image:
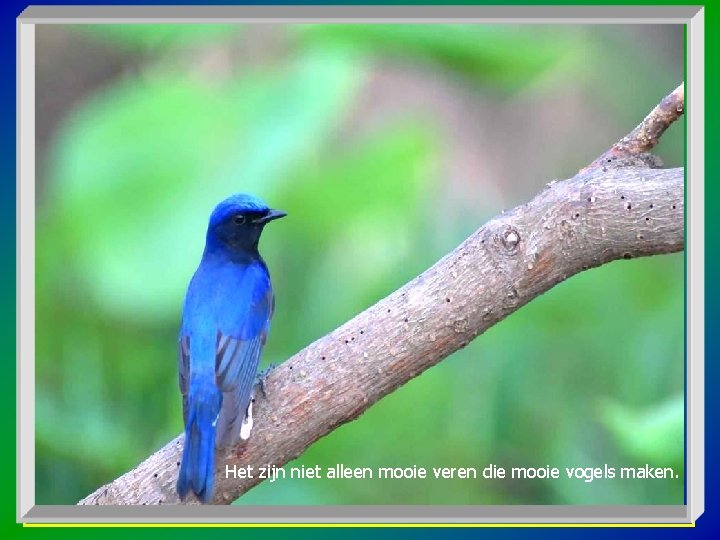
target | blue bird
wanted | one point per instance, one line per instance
(225, 322)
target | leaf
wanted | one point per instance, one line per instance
(654, 434)
(490, 54)
(140, 166)
(156, 36)
(368, 200)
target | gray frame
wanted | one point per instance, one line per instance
(692, 16)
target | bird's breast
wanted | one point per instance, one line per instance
(220, 296)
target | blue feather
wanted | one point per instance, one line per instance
(197, 470)
(226, 318)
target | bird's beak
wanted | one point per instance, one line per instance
(271, 215)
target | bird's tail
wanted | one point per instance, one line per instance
(197, 470)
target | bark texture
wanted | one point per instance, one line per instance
(610, 210)
(634, 147)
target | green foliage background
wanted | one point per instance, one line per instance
(588, 374)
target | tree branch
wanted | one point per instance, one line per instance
(608, 211)
(634, 147)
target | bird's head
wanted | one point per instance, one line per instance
(236, 223)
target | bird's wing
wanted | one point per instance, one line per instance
(184, 371)
(236, 365)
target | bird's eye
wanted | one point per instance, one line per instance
(239, 219)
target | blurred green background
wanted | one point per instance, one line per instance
(387, 145)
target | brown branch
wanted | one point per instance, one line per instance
(599, 215)
(632, 149)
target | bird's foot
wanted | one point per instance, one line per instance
(262, 379)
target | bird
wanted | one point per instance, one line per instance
(225, 322)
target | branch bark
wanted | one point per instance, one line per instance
(608, 211)
(634, 147)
